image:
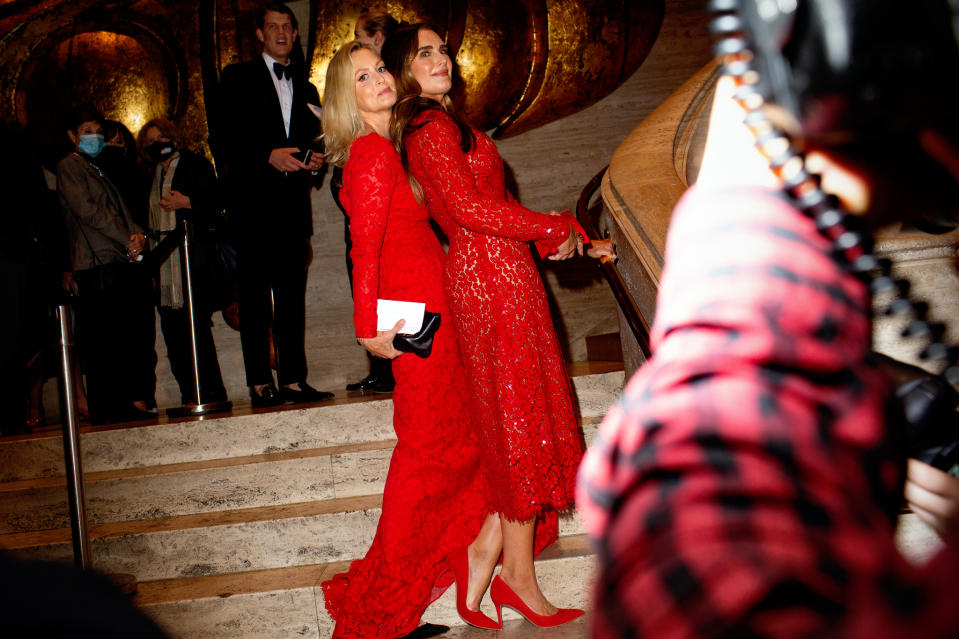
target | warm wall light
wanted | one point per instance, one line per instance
(115, 72)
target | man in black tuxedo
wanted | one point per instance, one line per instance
(268, 126)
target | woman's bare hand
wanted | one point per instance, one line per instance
(602, 250)
(933, 496)
(382, 344)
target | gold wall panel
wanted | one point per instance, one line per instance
(522, 63)
(334, 22)
(136, 88)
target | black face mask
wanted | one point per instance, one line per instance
(159, 151)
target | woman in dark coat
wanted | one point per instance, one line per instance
(183, 183)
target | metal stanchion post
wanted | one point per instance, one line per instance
(199, 408)
(71, 442)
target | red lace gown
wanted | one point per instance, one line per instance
(434, 501)
(532, 444)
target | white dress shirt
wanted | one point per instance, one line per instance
(284, 91)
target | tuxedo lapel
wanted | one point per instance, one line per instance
(271, 102)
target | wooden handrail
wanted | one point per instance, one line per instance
(587, 216)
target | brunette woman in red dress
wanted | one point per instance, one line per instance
(531, 441)
(434, 502)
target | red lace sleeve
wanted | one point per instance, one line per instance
(548, 247)
(435, 155)
(368, 180)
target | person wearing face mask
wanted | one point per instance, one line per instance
(114, 311)
(184, 183)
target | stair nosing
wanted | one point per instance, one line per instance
(132, 527)
(574, 370)
(55, 481)
(160, 591)
(198, 465)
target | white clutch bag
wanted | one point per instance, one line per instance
(389, 312)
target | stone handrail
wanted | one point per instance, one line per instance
(660, 158)
(647, 175)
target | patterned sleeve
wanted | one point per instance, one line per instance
(368, 182)
(748, 482)
(434, 151)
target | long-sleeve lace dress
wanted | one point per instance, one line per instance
(532, 444)
(434, 501)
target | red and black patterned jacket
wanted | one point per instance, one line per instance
(748, 482)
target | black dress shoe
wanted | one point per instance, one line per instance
(130, 414)
(426, 630)
(372, 383)
(306, 393)
(267, 397)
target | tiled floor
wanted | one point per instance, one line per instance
(521, 629)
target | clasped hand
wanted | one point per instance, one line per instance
(283, 160)
(135, 246)
(382, 344)
(175, 200)
(573, 245)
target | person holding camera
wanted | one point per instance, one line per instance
(748, 483)
(267, 130)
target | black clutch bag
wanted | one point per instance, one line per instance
(420, 343)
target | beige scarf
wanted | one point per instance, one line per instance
(163, 223)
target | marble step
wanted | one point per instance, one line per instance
(343, 421)
(230, 541)
(288, 602)
(207, 486)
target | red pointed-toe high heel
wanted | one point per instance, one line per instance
(503, 595)
(459, 564)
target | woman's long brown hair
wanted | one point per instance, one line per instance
(398, 52)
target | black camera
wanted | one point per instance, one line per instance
(855, 69)
(932, 423)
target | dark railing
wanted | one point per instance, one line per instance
(588, 216)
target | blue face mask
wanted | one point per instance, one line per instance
(91, 144)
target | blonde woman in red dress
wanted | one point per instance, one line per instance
(434, 502)
(531, 440)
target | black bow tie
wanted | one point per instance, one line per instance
(280, 70)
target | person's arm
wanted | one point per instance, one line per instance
(195, 187)
(92, 207)
(245, 137)
(434, 152)
(559, 249)
(311, 141)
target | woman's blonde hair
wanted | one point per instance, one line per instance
(342, 122)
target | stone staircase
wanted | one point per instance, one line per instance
(229, 523)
